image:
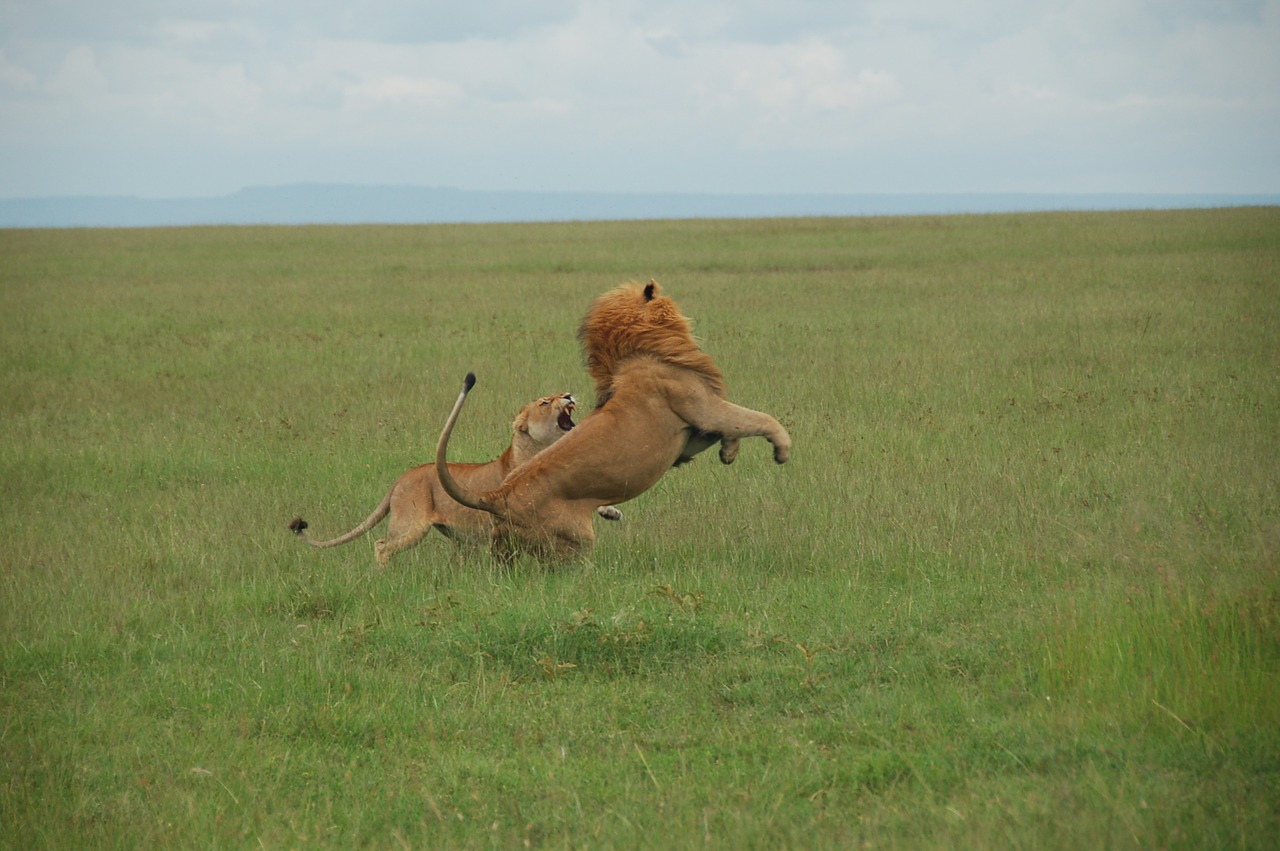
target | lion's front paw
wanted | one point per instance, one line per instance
(782, 451)
(608, 512)
(729, 451)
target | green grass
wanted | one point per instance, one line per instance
(1018, 586)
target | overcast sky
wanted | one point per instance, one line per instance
(171, 98)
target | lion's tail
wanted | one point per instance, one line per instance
(480, 502)
(298, 526)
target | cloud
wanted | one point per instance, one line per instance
(404, 90)
(576, 92)
(16, 78)
(79, 78)
(794, 81)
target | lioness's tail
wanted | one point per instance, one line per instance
(451, 487)
(297, 525)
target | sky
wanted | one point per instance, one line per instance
(195, 98)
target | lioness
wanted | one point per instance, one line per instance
(417, 503)
(661, 400)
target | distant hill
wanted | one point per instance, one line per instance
(344, 204)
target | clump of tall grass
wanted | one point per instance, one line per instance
(1175, 653)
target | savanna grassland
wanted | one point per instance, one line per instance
(1017, 588)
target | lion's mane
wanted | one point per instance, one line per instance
(635, 320)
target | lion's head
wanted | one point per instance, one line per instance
(546, 420)
(636, 320)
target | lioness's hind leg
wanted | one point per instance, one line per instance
(400, 536)
(385, 548)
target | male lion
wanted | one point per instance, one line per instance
(661, 400)
(417, 503)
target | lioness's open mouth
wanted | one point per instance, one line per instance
(565, 420)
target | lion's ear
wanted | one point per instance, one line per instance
(650, 290)
(521, 423)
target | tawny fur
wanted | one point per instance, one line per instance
(417, 503)
(661, 401)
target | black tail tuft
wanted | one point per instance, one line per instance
(296, 525)
(469, 382)
(649, 290)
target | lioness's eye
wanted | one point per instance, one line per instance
(545, 402)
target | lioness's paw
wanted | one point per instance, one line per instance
(608, 512)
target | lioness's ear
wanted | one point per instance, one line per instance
(649, 290)
(521, 423)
